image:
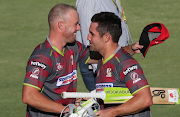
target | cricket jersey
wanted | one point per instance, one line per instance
(52, 72)
(121, 70)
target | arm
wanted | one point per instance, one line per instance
(34, 98)
(141, 100)
(94, 57)
(92, 61)
(33, 84)
(134, 48)
(129, 49)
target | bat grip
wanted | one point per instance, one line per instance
(101, 95)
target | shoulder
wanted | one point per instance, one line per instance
(125, 60)
(42, 53)
(122, 55)
(43, 49)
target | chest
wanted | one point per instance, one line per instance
(64, 69)
(108, 76)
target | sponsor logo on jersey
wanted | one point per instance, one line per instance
(35, 73)
(108, 72)
(135, 77)
(58, 67)
(38, 64)
(67, 79)
(129, 69)
(103, 85)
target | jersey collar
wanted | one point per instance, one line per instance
(57, 50)
(104, 61)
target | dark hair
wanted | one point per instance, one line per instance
(108, 22)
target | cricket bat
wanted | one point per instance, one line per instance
(121, 95)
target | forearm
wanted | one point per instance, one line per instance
(132, 106)
(134, 48)
(141, 100)
(92, 61)
(37, 100)
(129, 49)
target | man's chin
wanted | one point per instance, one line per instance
(91, 48)
(72, 41)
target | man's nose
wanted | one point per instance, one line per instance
(78, 27)
(89, 37)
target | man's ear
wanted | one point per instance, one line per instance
(60, 25)
(107, 37)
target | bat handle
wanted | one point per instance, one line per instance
(101, 95)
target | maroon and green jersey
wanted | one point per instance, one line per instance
(121, 70)
(52, 72)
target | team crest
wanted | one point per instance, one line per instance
(108, 72)
(58, 66)
(135, 77)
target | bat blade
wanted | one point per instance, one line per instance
(116, 95)
(159, 95)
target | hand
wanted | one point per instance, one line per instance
(136, 48)
(78, 101)
(104, 113)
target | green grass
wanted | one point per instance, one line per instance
(23, 25)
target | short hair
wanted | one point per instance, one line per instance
(59, 11)
(108, 22)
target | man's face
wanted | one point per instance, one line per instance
(96, 42)
(71, 26)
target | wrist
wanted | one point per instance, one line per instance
(114, 112)
(132, 50)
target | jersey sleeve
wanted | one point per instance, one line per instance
(37, 70)
(132, 74)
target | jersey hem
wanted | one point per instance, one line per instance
(140, 89)
(31, 86)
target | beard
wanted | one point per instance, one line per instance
(70, 35)
(92, 48)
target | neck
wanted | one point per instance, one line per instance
(57, 41)
(108, 50)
